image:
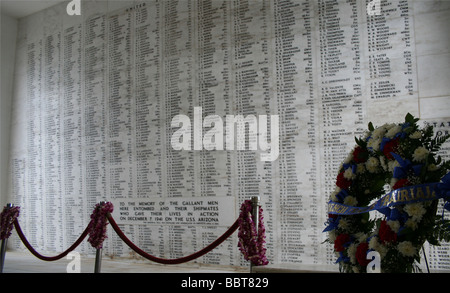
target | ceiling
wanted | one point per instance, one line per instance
(22, 8)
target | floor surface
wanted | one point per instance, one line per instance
(25, 262)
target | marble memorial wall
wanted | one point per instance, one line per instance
(95, 95)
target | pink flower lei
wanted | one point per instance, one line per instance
(7, 218)
(251, 243)
(97, 226)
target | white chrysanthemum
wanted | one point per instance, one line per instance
(373, 243)
(372, 164)
(350, 201)
(332, 235)
(410, 223)
(415, 135)
(432, 167)
(348, 174)
(420, 154)
(377, 246)
(379, 132)
(333, 196)
(349, 158)
(406, 248)
(394, 225)
(360, 237)
(360, 169)
(393, 164)
(393, 131)
(343, 224)
(351, 251)
(383, 163)
(374, 144)
(415, 211)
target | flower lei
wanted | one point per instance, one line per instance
(252, 243)
(97, 226)
(388, 158)
(7, 218)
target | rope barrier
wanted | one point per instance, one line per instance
(177, 260)
(96, 229)
(48, 258)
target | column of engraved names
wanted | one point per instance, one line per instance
(341, 85)
(94, 109)
(340, 82)
(213, 80)
(119, 109)
(51, 136)
(178, 95)
(34, 141)
(250, 57)
(295, 95)
(178, 63)
(71, 129)
(148, 135)
(213, 172)
(147, 83)
(390, 53)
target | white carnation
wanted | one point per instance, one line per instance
(420, 154)
(374, 144)
(352, 252)
(415, 135)
(406, 248)
(432, 167)
(415, 211)
(360, 169)
(348, 174)
(393, 131)
(379, 132)
(394, 225)
(333, 196)
(372, 164)
(350, 201)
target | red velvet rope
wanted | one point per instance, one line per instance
(48, 258)
(124, 238)
(177, 260)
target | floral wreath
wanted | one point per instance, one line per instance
(251, 241)
(97, 226)
(398, 161)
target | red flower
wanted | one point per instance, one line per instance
(386, 234)
(333, 216)
(401, 183)
(390, 146)
(341, 239)
(361, 254)
(342, 182)
(360, 155)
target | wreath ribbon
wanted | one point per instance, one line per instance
(404, 195)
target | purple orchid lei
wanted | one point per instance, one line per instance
(7, 218)
(251, 243)
(97, 226)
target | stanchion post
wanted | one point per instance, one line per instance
(98, 261)
(98, 255)
(3, 247)
(255, 216)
